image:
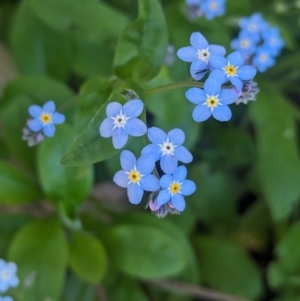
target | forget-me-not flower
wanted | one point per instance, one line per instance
(136, 176)
(45, 118)
(121, 121)
(255, 24)
(167, 148)
(213, 8)
(245, 44)
(263, 59)
(231, 69)
(6, 298)
(213, 100)
(198, 54)
(174, 188)
(273, 40)
(8, 277)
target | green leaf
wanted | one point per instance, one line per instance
(159, 255)
(142, 47)
(278, 156)
(16, 187)
(40, 251)
(227, 268)
(87, 257)
(61, 183)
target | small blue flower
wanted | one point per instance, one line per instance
(199, 54)
(263, 59)
(136, 176)
(231, 69)
(167, 148)
(213, 8)
(121, 121)
(45, 118)
(6, 298)
(245, 44)
(273, 40)
(8, 277)
(255, 25)
(174, 187)
(213, 100)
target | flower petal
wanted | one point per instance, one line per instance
(228, 96)
(163, 197)
(198, 69)
(217, 49)
(222, 113)
(166, 181)
(235, 58)
(145, 164)
(198, 41)
(150, 183)
(219, 75)
(178, 202)
(49, 106)
(168, 163)
(35, 111)
(156, 135)
(49, 129)
(195, 95)
(246, 72)
(113, 109)
(35, 125)
(127, 160)
(106, 128)
(201, 113)
(187, 187)
(135, 127)
(212, 86)
(152, 149)
(121, 179)
(134, 193)
(217, 61)
(133, 108)
(236, 82)
(183, 155)
(187, 54)
(119, 138)
(176, 136)
(58, 118)
(180, 174)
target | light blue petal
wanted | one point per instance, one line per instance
(216, 49)
(119, 138)
(156, 135)
(217, 61)
(222, 113)
(163, 197)
(58, 118)
(152, 149)
(135, 127)
(134, 193)
(198, 41)
(35, 111)
(188, 187)
(178, 202)
(106, 128)
(187, 54)
(195, 95)
(219, 75)
(49, 106)
(12, 267)
(14, 281)
(235, 58)
(121, 179)
(49, 129)
(35, 125)
(168, 163)
(150, 183)
(176, 136)
(183, 155)
(236, 82)
(145, 164)
(166, 181)
(201, 113)
(180, 174)
(212, 86)
(127, 160)
(198, 69)
(228, 96)
(113, 109)
(246, 72)
(133, 108)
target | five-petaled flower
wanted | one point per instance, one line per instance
(121, 121)
(174, 187)
(8, 277)
(231, 69)
(136, 176)
(199, 54)
(167, 148)
(45, 118)
(213, 100)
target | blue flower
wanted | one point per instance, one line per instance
(273, 40)
(213, 100)
(245, 44)
(213, 8)
(45, 118)
(254, 24)
(8, 277)
(121, 121)
(167, 148)
(231, 69)
(174, 187)
(263, 59)
(136, 176)
(6, 298)
(199, 54)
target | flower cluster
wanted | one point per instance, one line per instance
(139, 174)
(42, 124)
(207, 8)
(8, 278)
(213, 99)
(258, 42)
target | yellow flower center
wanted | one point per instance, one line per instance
(134, 176)
(212, 101)
(213, 5)
(263, 57)
(46, 118)
(174, 188)
(230, 70)
(245, 43)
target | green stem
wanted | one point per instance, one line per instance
(188, 83)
